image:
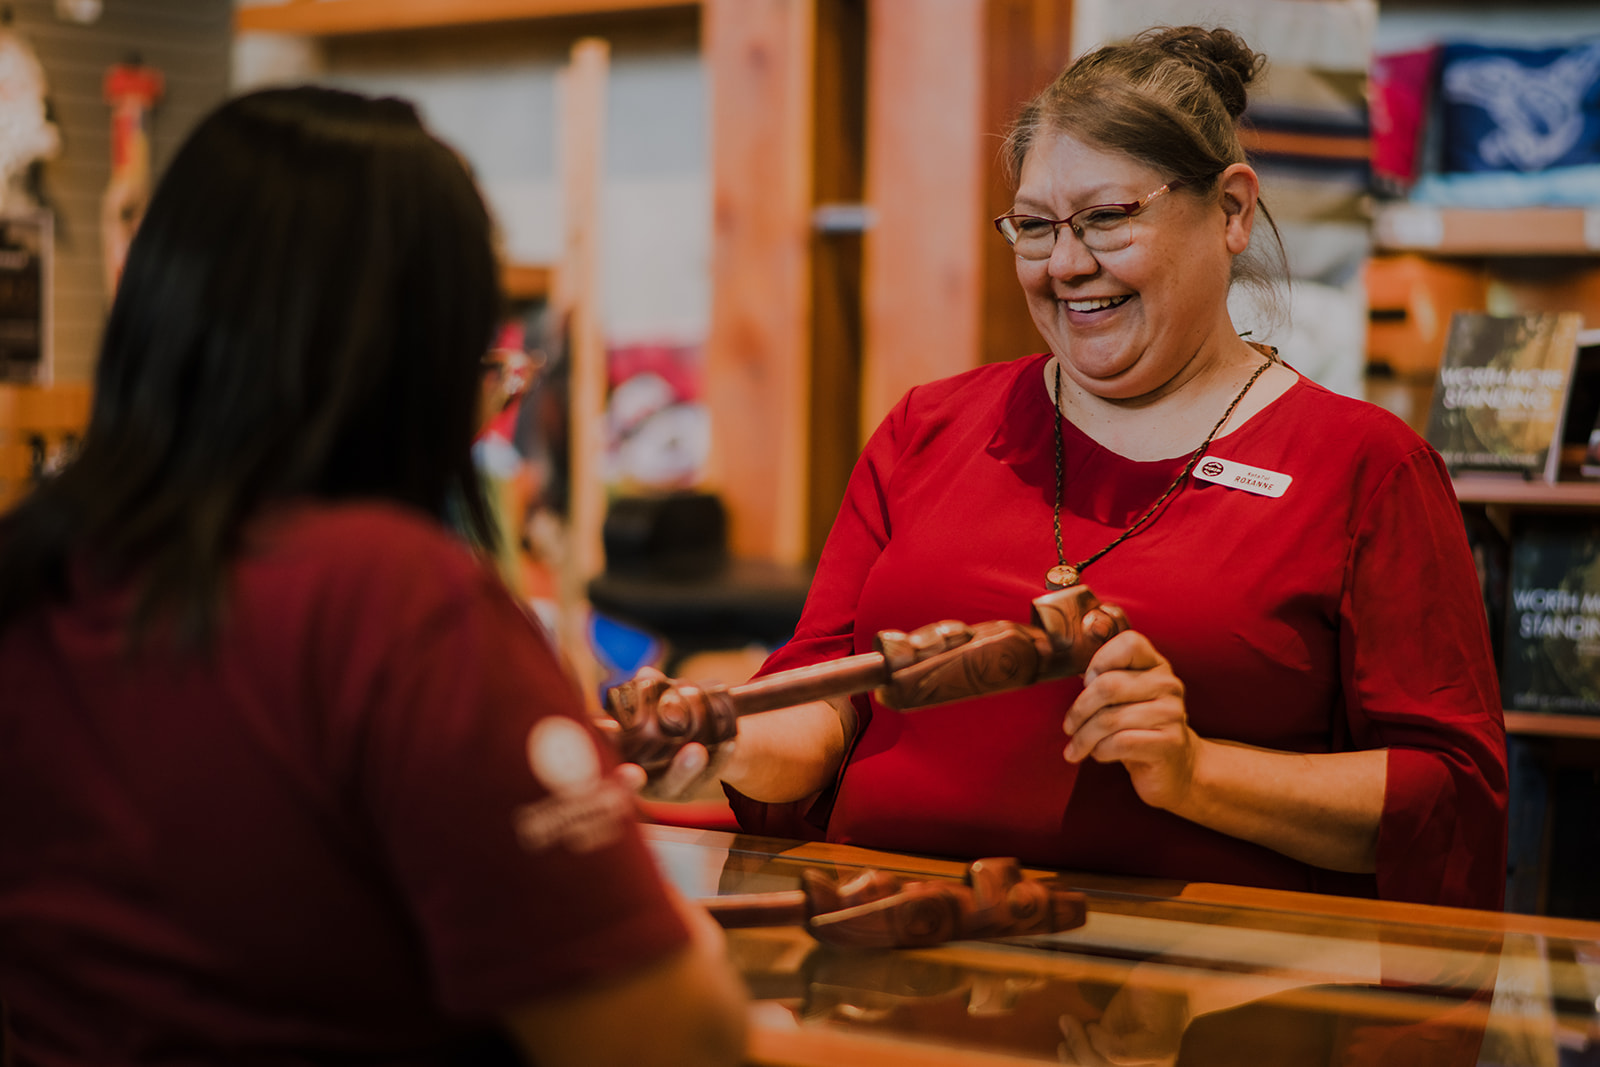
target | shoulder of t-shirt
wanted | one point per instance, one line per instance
(361, 530)
(976, 384)
(1354, 419)
(367, 544)
(1352, 442)
(962, 397)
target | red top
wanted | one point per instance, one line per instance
(377, 817)
(1344, 614)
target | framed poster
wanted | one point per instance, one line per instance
(26, 251)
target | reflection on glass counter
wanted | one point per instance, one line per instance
(1160, 973)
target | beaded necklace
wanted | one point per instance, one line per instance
(1065, 574)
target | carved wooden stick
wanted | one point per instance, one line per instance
(934, 664)
(879, 910)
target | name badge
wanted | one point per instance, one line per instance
(1242, 476)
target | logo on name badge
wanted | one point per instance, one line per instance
(1256, 480)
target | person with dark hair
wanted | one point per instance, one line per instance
(1306, 697)
(287, 775)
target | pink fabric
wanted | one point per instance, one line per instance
(1344, 614)
(314, 847)
(1400, 86)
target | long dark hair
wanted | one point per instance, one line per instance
(301, 315)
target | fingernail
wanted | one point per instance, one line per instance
(694, 760)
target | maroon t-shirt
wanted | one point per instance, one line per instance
(1343, 614)
(372, 819)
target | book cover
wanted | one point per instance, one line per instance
(1491, 557)
(1585, 405)
(1500, 400)
(1552, 631)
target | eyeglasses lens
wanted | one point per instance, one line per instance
(1101, 229)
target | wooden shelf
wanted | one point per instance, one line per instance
(1531, 231)
(1498, 489)
(1547, 725)
(332, 18)
(525, 281)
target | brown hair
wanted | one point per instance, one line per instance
(1171, 97)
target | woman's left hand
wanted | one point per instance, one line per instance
(1132, 711)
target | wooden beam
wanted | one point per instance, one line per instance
(332, 18)
(526, 281)
(1524, 231)
(838, 166)
(1026, 44)
(576, 302)
(759, 62)
(928, 155)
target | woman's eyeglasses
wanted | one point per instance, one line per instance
(1101, 228)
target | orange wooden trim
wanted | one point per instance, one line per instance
(330, 18)
(782, 1041)
(1283, 142)
(1028, 42)
(1509, 489)
(1388, 911)
(759, 57)
(49, 411)
(1551, 230)
(15, 458)
(807, 1046)
(1541, 724)
(46, 409)
(1556, 231)
(928, 161)
(575, 301)
(1280, 900)
(525, 281)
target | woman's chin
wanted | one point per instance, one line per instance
(1112, 377)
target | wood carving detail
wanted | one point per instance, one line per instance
(934, 664)
(876, 909)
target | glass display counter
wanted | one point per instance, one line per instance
(1160, 973)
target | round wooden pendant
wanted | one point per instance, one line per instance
(1061, 576)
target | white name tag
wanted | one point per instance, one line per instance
(1241, 476)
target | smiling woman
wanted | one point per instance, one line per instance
(1305, 696)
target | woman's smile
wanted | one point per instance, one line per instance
(1090, 305)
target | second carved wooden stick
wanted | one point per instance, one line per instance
(932, 665)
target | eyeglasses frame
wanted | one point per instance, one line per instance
(1129, 209)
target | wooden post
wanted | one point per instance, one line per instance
(946, 77)
(839, 226)
(758, 56)
(938, 292)
(1027, 43)
(576, 306)
(925, 166)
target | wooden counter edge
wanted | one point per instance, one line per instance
(1355, 908)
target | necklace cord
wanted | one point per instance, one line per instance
(1077, 569)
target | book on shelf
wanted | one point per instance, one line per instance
(1500, 399)
(1491, 558)
(1585, 405)
(1551, 646)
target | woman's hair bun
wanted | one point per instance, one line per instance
(1221, 55)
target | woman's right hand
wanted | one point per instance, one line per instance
(653, 723)
(775, 757)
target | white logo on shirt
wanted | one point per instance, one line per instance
(562, 756)
(584, 810)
